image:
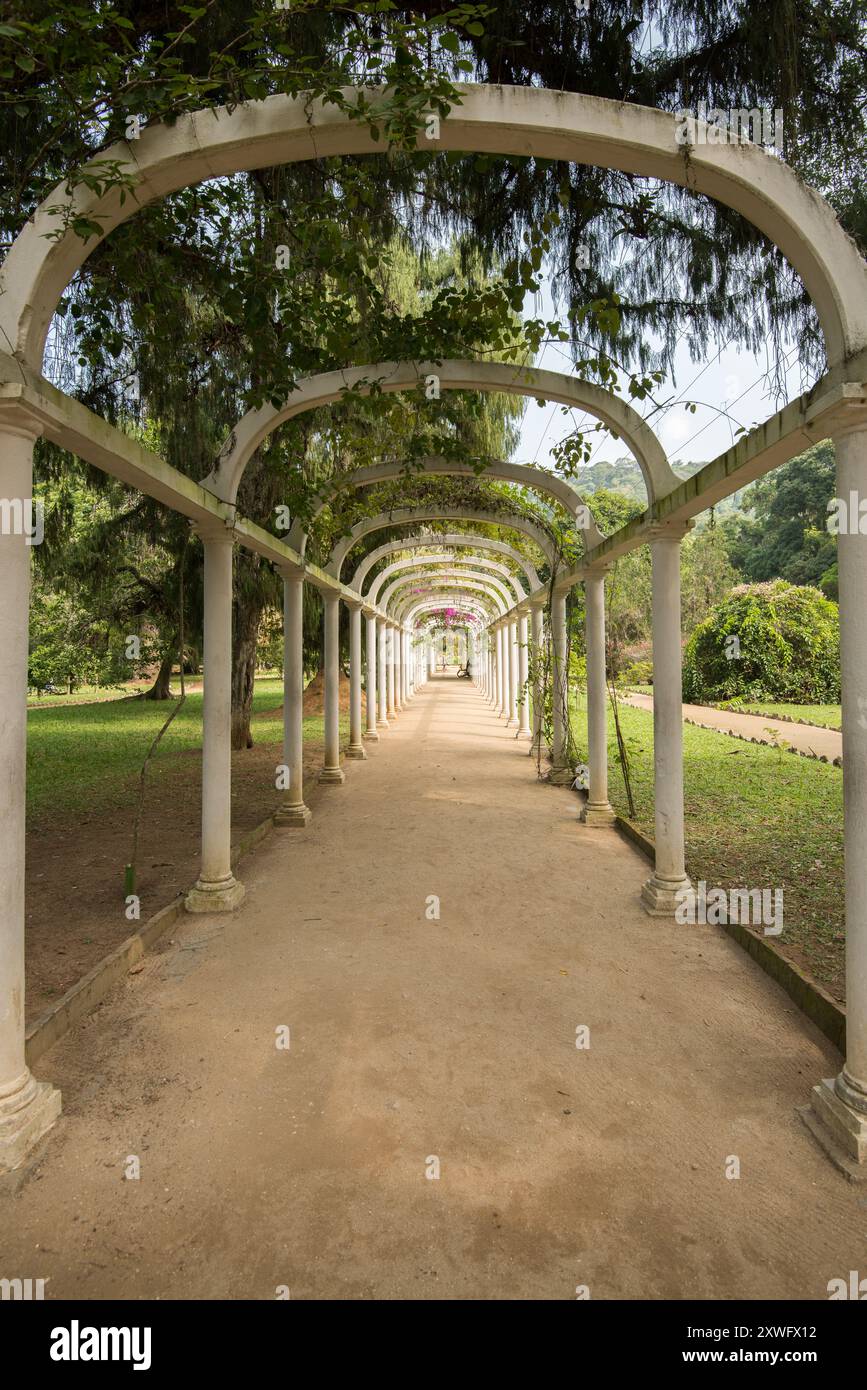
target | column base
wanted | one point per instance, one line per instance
(370, 736)
(26, 1116)
(527, 734)
(382, 723)
(215, 897)
(560, 777)
(332, 776)
(511, 723)
(838, 1129)
(662, 897)
(355, 750)
(595, 813)
(295, 816)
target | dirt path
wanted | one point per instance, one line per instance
(823, 743)
(414, 1039)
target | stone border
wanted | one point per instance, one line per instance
(763, 714)
(761, 742)
(82, 997)
(811, 998)
(766, 743)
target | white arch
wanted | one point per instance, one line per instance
(514, 521)
(484, 614)
(456, 375)
(497, 470)
(456, 586)
(564, 126)
(482, 582)
(416, 566)
(451, 539)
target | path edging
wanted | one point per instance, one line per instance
(811, 998)
(768, 743)
(82, 997)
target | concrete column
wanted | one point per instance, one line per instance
(389, 672)
(431, 657)
(537, 620)
(217, 889)
(524, 730)
(293, 811)
(664, 890)
(381, 680)
(597, 809)
(356, 747)
(406, 665)
(498, 659)
(28, 1108)
(561, 773)
(332, 774)
(838, 1115)
(512, 657)
(400, 691)
(370, 732)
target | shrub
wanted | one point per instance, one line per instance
(772, 641)
(638, 673)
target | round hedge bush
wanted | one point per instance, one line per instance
(787, 647)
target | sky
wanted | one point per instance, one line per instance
(730, 381)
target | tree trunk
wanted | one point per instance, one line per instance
(162, 686)
(245, 631)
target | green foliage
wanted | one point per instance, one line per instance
(773, 641)
(785, 534)
(638, 673)
(72, 644)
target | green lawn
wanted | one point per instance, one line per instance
(88, 694)
(755, 817)
(828, 716)
(83, 755)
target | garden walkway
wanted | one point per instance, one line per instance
(419, 1042)
(807, 738)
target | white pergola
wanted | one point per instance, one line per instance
(494, 120)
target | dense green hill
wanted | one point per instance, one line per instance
(624, 477)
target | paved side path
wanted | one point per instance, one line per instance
(822, 743)
(422, 1044)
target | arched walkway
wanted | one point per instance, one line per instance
(417, 1037)
(499, 120)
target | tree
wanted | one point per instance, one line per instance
(785, 532)
(773, 641)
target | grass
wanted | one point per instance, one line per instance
(826, 716)
(755, 817)
(84, 755)
(90, 694)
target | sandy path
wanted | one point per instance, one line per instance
(454, 1038)
(827, 743)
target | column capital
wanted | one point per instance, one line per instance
(852, 420)
(214, 529)
(668, 530)
(288, 571)
(597, 571)
(16, 416)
